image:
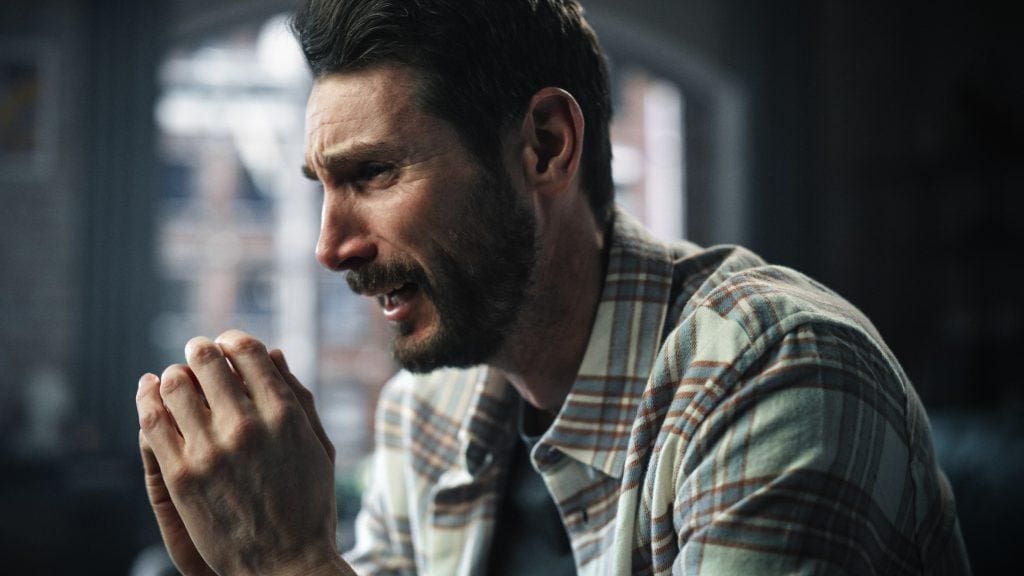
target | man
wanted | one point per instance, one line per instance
(578, 396)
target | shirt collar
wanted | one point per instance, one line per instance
(594, 424)
(488, 428)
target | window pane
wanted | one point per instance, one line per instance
(237, 227)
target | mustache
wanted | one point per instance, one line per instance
(374, 277)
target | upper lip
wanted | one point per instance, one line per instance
(377, 292)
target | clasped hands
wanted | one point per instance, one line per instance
(239, 471)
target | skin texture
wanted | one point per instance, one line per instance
(390, 220)
(238, 469)
(240, 477)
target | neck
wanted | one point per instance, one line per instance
(543, 353)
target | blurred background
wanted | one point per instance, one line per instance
(150, 191)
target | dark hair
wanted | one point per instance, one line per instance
(480, 62)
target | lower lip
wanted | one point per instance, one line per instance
(404, 310)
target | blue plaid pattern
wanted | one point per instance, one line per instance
(729, 417)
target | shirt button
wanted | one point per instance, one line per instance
(479, 454)
(550, 456)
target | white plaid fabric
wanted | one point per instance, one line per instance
(729, 417)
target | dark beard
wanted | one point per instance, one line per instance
(480, 275)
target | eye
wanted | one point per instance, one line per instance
(370, 171)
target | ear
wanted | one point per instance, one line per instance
(552, 136)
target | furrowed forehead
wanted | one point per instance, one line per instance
(353, 112)
(344, 154)
(370, 115)
(373, 98)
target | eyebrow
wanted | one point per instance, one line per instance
(360, 151)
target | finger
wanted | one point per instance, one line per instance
(150, 465)
(251, 361)
(224, 391)
(155, 422)
(305, 398)
(182, 400)
(172, 529)
(155, 487)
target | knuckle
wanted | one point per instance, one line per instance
(278, 393)
(169, 386)
(242, 434)
(172, 378)
(283, 415)
(149, 419)
(179, 476)
(146, 385)
(204, 459)
(247, 345)
(202, 351)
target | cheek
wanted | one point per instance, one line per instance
(405, 223)
(426, 214)
(430, 211)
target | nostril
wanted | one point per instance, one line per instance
(352, 263)
(348, 254)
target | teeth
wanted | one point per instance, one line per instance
(392, 298)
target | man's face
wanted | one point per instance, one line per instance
(446, 247)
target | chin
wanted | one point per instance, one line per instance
(415, 352)
(422, 353)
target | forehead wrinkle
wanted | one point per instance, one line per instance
(360, 116)
(319, 136)
(346, 151)
(383, 138)
(347, 112)
(326, 154)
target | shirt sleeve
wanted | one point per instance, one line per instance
(810, 464)
(379, 541)
(383, 536)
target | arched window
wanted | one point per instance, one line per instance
(678, 134)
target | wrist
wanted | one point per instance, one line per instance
(317, 563)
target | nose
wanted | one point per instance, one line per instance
(343, 243)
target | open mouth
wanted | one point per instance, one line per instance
(398, 302)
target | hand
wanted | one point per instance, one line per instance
(176, 539)
(239, 471)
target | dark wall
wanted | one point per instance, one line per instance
(916, 177)
(883, 153)
(77, 253)
(885, 157)
(919, 163)
(40, 231)
(75, 258)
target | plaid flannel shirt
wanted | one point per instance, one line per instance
(729, 417)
